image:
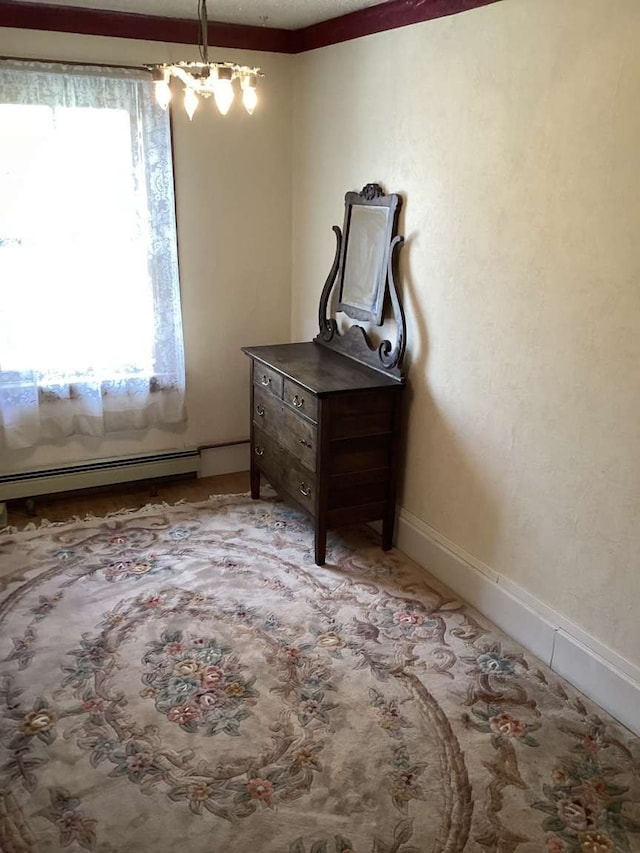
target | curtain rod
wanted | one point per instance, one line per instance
(80, 64)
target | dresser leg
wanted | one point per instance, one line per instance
(320, 545)
(254, 477)
(387, 531)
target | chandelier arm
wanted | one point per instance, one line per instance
(206, 78)
(185, 76)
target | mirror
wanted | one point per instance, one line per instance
(369, 228)
(364, 266)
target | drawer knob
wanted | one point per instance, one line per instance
(260, 411)
(266, 380)
(259, 451)
(298, 402)
(305, 443)
(304, 490)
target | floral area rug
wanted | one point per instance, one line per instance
(186, 679)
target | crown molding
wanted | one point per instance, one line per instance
(128, 25)
(377, 19)
(97, 22)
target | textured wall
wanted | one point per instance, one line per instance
(233, 199)
(512, 131)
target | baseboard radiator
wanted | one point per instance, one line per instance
(102, 472)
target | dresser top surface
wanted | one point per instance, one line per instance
(319, 369)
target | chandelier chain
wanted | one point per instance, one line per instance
(204, 31)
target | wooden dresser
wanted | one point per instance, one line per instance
(325, 413)
(324, 432)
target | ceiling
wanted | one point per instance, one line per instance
(287, 14)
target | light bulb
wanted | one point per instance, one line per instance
(163, 93)
(223, 93)
(190, 102)
(249, 94)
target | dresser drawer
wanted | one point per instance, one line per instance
(300, 399)
(265, 377)
(299, 482)
(267, 411)
(285, 426)
(268, 456)
(299, 437)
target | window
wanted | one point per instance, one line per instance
(90, 327)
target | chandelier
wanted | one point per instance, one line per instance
(205, 79)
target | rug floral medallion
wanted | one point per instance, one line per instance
(186, 679)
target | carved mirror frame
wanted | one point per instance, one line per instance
(364, 255)
(354, 342)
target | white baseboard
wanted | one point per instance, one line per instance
(224, 460)
(600, 673)
(111, 471)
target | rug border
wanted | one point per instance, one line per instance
(44, 525)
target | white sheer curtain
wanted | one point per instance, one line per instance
(90, 325)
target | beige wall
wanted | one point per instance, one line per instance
(512, 132)
(233, 199)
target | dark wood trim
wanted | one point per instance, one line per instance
(375, 19)
(98, 22)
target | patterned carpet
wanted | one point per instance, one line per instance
(186, 679)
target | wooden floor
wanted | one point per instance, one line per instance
(135, 495)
